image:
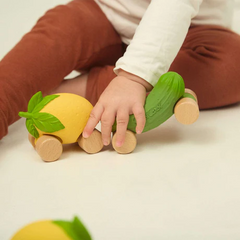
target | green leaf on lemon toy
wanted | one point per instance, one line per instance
(31, 128)
(46, 122)
(80, 229)
(34, 101)
(75, 229)
(43, 103)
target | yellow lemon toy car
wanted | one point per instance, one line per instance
(53, 230)
(59, 119)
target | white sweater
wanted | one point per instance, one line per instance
(156, 29)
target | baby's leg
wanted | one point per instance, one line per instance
(209, 62)
(76, 85)
(73, 36)
(89, 85)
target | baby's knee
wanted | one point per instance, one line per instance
(70, 17)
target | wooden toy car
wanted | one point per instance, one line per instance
(60, 118)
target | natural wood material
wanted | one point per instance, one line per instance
(49, 148)
(186, 111)
(187, 90)
(92, 144)
(128, 146)
(31, 140)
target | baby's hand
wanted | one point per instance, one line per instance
(125, 95)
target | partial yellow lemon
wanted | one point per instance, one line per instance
(72, 111)
(42, 230)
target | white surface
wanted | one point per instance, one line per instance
(181, 183)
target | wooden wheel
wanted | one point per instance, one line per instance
(49, 148)
(129, 144)
(92, 144)
(186, 110)
(187, 90)
(31, 140)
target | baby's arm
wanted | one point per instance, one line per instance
(158, 38)
(156, 43)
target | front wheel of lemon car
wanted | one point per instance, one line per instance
(49, 148)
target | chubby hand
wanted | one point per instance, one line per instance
(125, 95)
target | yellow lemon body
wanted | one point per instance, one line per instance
(42, 230)
(72, 111)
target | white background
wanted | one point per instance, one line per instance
(181, 183)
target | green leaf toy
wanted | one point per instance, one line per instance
(43, 121)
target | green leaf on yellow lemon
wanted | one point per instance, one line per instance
(34, 101)
(45, 122)
(31, 128)
(75, 229)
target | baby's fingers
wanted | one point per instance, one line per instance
(107, 121)
(93, 120)
(139, 114)
(122, 122)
